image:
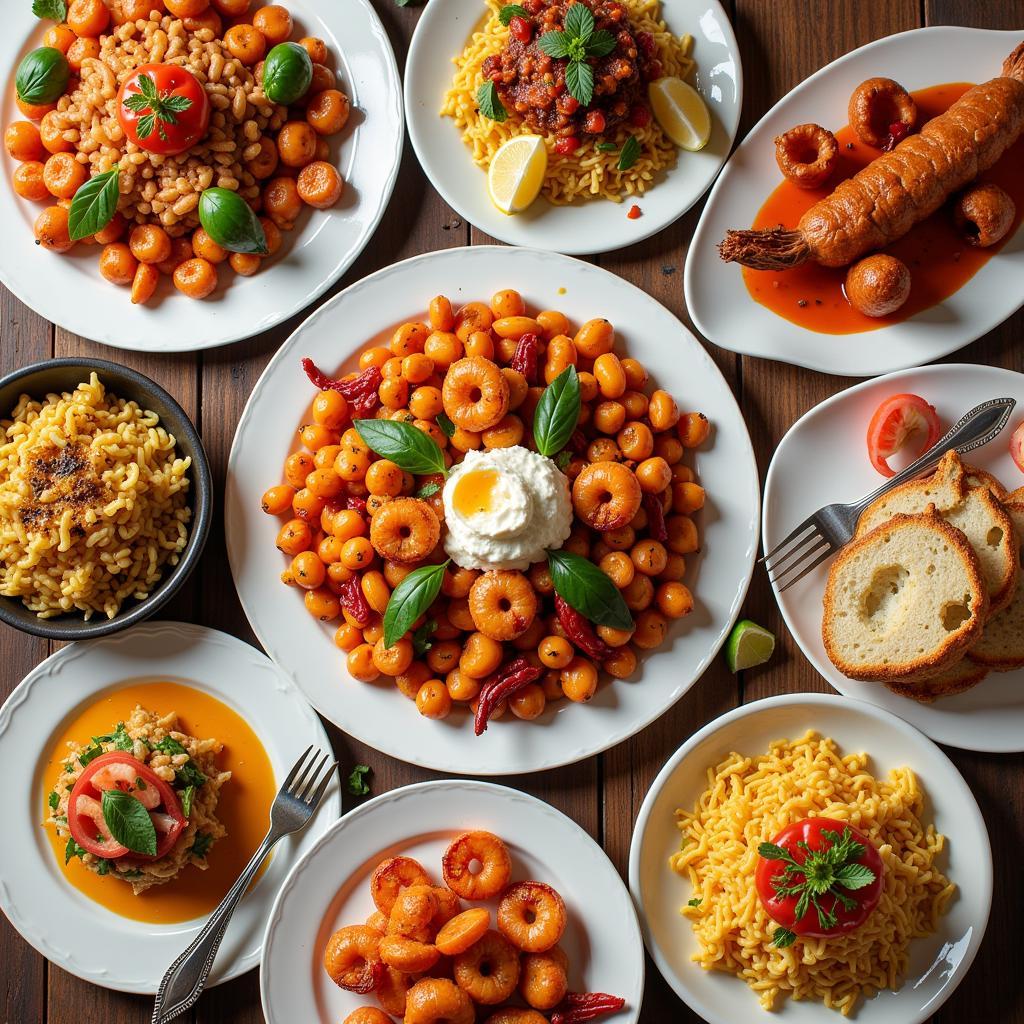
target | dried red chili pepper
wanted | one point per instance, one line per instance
(354, 601)
(655, 517)
(580, 632)
(513, 677)
(525, 358)
(582, 1006)
(898, 131)
(356, 504)
(359, 391)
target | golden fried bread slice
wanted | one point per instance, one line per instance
(956, 679)
(1001, 646)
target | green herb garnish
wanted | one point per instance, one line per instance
(630, 153)
(605, 147)
(94, 205)
(201, 845)
(186, 796)
(429, 489)
(73, 850)
(356, 783)
(695, 902)
(557, 413)
(406, 446)
(157, 108)
(577, 42)
(54, 801)
(129, 822)
(510, 11)
(446, 425)
(489, 102)
(55, 10)
(103, 866)
(411, 598)
(583, 586)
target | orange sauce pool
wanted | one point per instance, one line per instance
(243, 807)
(940, 261)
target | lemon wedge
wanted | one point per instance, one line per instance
(517, 172)
(681, 112)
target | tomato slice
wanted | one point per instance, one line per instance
(119, 770)
(894, 421)
(1017, 446)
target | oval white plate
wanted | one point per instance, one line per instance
(938, 962)
(823, 458)
(716, 296)
(378, 714)
(598, 225)
(63, 924)
(70, 291)
(329, 888)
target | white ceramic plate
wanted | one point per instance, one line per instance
(716, 296)
(597, 226)
(938, 962)
(823, 459)
(330, 888)
(63, 924)
(378, 714)
(69, 289)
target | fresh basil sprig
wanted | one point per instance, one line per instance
(42, 76)
(489, 102)
(129, 822)
(94, 205)
(510, 11)
(629, 154)
(56, 10)
(157, 108)
(578, 41)
(583, 586)
(408, 447)
(411, 598)
(557, 413)
(231, 222)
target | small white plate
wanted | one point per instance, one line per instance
(823, 458)
(329, 888)
(938, 962)
(378, 714)
(69, 290)
(597, 225)
(716, 296)
(63, 924)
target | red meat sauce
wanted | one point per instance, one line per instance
(531, 85)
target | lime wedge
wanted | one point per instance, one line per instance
(748, 645)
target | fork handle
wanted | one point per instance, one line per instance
(185, 979)
(971, 431)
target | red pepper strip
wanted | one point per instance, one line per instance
(897, 132)
(354, 601)
(655, 517)
(360, 391)
(525, 358)
(581, 1006)
(580, 632)
(356, 504)
(515, 676)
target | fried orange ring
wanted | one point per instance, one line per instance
(392, 988)
(503, 605)
(876, 106)
(411, 915)
(393, 875)
(984, 214)
(475, 393)
(352, 958)
(438, 1001)
(405, 530)
(606, 495)
(489, 970)
(543, 982)
(531, 915)
(485, 849)
(807, 155)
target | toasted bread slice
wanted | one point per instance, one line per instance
(1002, 644)
(974, 510)
(983, 478)
(1015, 497)
(956, 679)
(906, 598)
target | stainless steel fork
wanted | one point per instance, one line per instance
(824, 532)
(294, 805)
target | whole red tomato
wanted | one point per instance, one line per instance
(828, 866)
(163, 108)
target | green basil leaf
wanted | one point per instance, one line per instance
(630, 153)
(94, 205)
(446, 425)
(579, 21)
(579, 80)
(287, 73)
(510, 11)
(187, 795)
(356, 783)
(586, 588)
(406, 446)
(42, 76)
(489, 102)
(229, 220)
(90, 754)
(600, 44)
(411, 598)
(129, 822)
(72, 850)
(557, 413)
(555, 44)
(56, 10)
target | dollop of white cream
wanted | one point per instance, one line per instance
(524, 508)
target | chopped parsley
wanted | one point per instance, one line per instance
(73, 850)
(201, 845)
(695, 902)
(187, 774)
(357, 784)
(54, 801)
(103, 866)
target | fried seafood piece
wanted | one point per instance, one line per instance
(878, 285)
(899, 189)
(882, 112)
(984, 214)
(807, 155)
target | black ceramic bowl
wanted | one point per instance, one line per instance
(59, 375)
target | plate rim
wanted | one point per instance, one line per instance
(840, 703)
(568, 755)
(735, 342)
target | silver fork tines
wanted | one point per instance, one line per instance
(832, 527)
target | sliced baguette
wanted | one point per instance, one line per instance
(974, 510)
(904, 599)
(983, 478)
(956, 679)
(1001, 646)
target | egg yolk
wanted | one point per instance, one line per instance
(475, 492)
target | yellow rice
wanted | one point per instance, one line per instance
(588, 173)
(747, 802)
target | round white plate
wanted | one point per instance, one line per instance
(938, 962)
(378, 714)
(716, 296)
(63, 924)
(69, 289)
(824, 459)
(585, 227)
(329, 888)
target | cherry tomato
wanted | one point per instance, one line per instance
(117, 770)
(1017, 446)
(521, 29)
(840, 909)
(892, 424)
(163, 108)
(567, 146)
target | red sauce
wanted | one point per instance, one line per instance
(940, 261)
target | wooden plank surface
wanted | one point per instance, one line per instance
(782, 42)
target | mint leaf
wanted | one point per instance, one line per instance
(630, 153)
(600, 44)
(854, 876)
(562, 459)
(510, 11)
(579, 22)
(356, 783)
(557, 413)
(555, 44)
(406, 446)
(412, 597)
(489, 102)
(579, 80)
(583, 586)
(129, 822)
(55, 10)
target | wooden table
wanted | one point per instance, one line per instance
(782, 42)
